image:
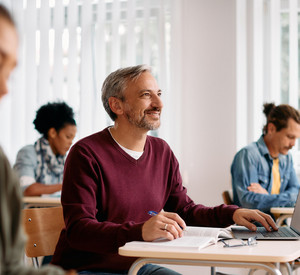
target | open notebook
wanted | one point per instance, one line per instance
(194, 238)
(284, 233)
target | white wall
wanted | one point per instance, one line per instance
(208, 96)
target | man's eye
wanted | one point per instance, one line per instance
(146, 94)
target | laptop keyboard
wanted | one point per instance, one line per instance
(282, 232)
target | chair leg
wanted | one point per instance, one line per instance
(35, 262)
(251, 271)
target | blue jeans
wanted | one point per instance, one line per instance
(148, 269)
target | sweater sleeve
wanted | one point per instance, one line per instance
(195, 214)
(87, 228)
(11, 234)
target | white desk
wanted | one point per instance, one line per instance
(41, 202)
(284, 212)
(265, 255)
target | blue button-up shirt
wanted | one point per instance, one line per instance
(254, 163)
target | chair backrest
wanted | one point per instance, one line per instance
(43, 227)
(227, 197)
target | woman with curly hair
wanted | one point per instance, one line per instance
(40, 166)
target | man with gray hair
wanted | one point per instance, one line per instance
(115, 177)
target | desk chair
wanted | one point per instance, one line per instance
(227, 197)
(42, 227)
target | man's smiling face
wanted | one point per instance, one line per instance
(142, 102)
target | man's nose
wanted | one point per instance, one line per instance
(157, 102)
(3, 87)
(292, 143)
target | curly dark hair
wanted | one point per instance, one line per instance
(53, 115)
(279, 115)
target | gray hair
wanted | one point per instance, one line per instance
(115, 84)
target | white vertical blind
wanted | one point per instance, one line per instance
(146, 34)
(115, 37)
(58, 73)
(274, 68)
(293, 54)
(43, 79)
(67, 49)
(72, 54)
(99, 50)
(30, 22)
(131, 49)
(86, 81)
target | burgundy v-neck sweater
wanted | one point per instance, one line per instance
(106, 196)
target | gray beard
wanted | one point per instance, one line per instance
(143, 124)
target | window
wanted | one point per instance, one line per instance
(268, 34)
(67, 49)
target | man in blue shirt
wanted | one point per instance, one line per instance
(262, 173)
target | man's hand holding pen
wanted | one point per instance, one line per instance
(163, 225)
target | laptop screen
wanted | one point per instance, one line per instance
(295, 224)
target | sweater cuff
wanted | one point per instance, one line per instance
(135, 232)
(230, 209)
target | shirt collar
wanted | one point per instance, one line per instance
(262, 147)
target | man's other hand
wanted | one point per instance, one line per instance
(246, 217)
(257, 188)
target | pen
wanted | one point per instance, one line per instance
(152, 213)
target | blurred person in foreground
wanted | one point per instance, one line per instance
(114, 177)
(263, 174)
(40, 165)
(12, 238)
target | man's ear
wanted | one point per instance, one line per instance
(271, 128)
(115, 105)
(52, 133)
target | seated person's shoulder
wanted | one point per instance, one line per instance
(26, 157)
(250, 150)
(248, 155)
(27, 151)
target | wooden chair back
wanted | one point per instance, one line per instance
(227, 197)
(42, 227)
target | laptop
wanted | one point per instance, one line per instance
(284, 232)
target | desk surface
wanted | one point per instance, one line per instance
(264, 251)
(282, 210)
(41, 201)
